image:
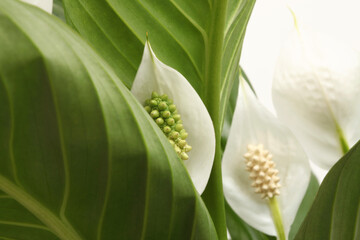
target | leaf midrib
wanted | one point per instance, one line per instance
(57, 226)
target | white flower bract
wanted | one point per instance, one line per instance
(46, 5)
(253, 124)
(316, 92)
(153, 75)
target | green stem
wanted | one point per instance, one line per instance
(213, 195)
(275, 211)
(344, 145)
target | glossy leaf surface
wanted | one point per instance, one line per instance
(80, 158)
(335, 213)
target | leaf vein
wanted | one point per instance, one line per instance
(11, 138)
(109, 38)
(24, 224)
(197, 70)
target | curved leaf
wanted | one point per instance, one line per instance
(193, 37)
(80, 158)
(335, 213)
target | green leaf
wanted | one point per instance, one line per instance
(194, 37)
(335, 213)
(235, 32)
(229, 113)
(80, 158)
(230, 106)
(304, 206)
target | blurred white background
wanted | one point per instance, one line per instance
(270, 25)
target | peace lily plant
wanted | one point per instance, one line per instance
(265, 170)
(104, 136)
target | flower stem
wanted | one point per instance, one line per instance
(275, 211)
(213, 195)
(343, 142)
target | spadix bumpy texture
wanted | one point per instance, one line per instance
(155, 76)
(46, 5)
(166, 116)
(253, 125)
(316, 89)
(262, 171)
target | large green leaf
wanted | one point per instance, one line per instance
(179, 31)
(335, 213)
(201, 39)
(80, 158)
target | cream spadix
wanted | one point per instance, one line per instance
(262, 171)
(155, 76)
(46, 5)
(316, 92)
(262, 156)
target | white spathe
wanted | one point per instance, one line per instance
(153, 75)
(46, 5)
(254, 124)
(316, 88)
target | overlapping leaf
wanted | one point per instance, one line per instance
(80, 158)
(335, 213)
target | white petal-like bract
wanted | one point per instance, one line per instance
(153, 75)
(46, 5)
(254, 124)
(316, 92)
